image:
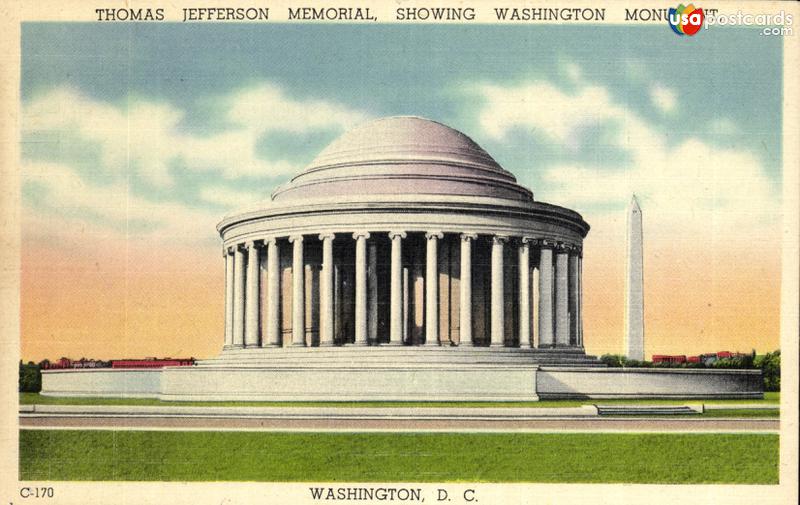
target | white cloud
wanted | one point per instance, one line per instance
(143, 139)
(691, 188)
(572, 70)
(664, 99)
(723, 126)
(231, 198)
(148, 135)
(266, 108)
(73, 198)
(544, 109)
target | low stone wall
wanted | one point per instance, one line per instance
(98, 382)
(472, 382)
(460, 382)
(610, 383)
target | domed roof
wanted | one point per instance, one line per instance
(403, 155)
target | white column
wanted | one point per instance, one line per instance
(298, 292)
(465, 299)
(326, 291)
(432, 288)
(546, 338)
(337, 302)
(238, 297)
(228, 297)
(396, 289)
(372, 292)
(525, 294)
(535, 306)
(361, 288)
(273, 293)
(573, 296)
(406, 303)
(580, 298)
(498, 297)
(253, 299)
(562, 298)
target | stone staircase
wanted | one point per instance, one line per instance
(399, 356)
(647, 410)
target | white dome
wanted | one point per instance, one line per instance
(403, 155)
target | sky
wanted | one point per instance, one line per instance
(137, 139)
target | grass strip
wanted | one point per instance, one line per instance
(38, 399)
(399, 457)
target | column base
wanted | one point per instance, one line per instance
(496, 345)
(326, 344)
(297, 344)
(436, 344)
(252, 346)
(466, 344)
(393, 344)
(360, 344)
(271, 345)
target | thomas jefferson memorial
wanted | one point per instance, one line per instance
(403, 232)
(404, 263)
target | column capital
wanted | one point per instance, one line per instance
(576, 250)
(250, 244)
(529, 240)
(466, 236)
(270, 241)
(295, 238)
(327, 235)
(434, 234)
(360, 234)
(397, 233)
(226, 251)
(499, 239)
(238, 247)
(563, 247)
(545, 243)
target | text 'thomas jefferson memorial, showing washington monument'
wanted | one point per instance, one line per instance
(405, 263)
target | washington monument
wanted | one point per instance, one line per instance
(634, 285)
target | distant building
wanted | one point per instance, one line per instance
(706, 359)
(151, 362)
(660, 358)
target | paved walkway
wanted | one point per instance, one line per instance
(574, 419)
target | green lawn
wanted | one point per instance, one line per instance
(775, 413)
(409, 457)
(35, 398)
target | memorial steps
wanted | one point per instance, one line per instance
(400, 356)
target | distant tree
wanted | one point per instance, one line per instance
(30, 378)
(635, 363)
(613, 360)
(770, 366)
(699, 364)
(744, 362)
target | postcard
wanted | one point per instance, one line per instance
(421, 251)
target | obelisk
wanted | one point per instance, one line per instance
(634, 285)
